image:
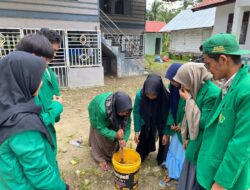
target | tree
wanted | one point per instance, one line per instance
(155, 9)
(160, 12)
(189, 3)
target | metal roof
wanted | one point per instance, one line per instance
(154, 26)
(205, 4)
(187, 19)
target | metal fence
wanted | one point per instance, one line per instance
(131, 45)
(84, 49)
(77, 49)
(8, 40)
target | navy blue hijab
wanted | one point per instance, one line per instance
(21, 74)
(174, 91)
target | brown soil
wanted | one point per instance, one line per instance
(74, 125)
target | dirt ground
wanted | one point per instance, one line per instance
(76, 165)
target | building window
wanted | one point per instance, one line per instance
(230, 22)
(244, 26)
(106, 6)
(121, 7)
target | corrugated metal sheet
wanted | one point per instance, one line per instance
(154, 26)
(187, 19)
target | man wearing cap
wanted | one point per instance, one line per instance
(224, 157)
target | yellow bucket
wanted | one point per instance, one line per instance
(126, 174)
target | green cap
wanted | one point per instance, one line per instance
(223, 44)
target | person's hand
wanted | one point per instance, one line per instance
(165, 139)
(136, 138)
(122, 143)
(58, 99)
(119, 134)
(178, 128)
(184, 93)
(173, 127)
(216, 186)
(185, 143)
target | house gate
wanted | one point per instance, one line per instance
(77, 49)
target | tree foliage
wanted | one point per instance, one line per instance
(160, 10)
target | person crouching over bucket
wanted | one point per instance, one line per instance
(109, 115)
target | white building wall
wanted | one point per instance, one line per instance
(188, 41)
(150, 40)
(244, 3)
(247, 44)
(221, 19)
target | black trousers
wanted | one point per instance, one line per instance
(197, 186)
(147, 145)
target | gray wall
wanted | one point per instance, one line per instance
(86, 77)
(60, 14)
(130, 67)
(135, 21)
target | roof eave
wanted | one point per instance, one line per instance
(174, 30)
(212, 5)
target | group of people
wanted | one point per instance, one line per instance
(30, 105)
(209, 146)
(202, 129)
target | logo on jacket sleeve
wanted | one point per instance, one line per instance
(221, 118)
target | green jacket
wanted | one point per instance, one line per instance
(99, 119)
(171, 121)
(50, 110)
(225, 152)
(27, 163)
(205, 100)
(138, 120)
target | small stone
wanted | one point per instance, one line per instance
(86, 181)
(156, 169)
(78, 173)
(73, 162)
(82, 173)
(64, 150)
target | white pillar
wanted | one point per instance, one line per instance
(237, 21)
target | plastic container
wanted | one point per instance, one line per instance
(126, 174)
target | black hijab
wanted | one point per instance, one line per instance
(154, 112)
(120, 102)
(21, 74)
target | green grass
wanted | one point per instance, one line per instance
(152, 66)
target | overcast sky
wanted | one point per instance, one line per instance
(173, 5)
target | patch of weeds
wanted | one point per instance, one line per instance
(71, 135)
(85, 184)
(85, 142)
